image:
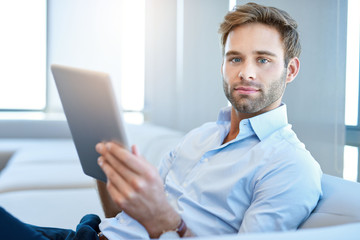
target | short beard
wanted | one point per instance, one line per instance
(246, 104)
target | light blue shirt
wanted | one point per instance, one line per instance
(263, 180)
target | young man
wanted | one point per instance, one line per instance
(247, 172)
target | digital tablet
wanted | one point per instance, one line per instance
(91, 111)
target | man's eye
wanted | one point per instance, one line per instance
(263, 60)
(236, 60)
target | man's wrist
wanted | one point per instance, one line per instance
(178, 232)
(181, 229)
(169, 222)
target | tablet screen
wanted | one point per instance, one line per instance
(91, 111)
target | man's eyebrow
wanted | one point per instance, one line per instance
(232, 53)
(258, 52)
(264, 52)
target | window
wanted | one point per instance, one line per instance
(133, 60)
(352, 106)
(28, 46)
(23, 55)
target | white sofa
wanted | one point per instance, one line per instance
(43, 184)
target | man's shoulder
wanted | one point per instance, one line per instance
(287, 137)
(284, 145)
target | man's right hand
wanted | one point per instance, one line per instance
(136, 187)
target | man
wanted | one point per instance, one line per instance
(247, 172)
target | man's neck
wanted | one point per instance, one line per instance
(237, 116)
(235, 120)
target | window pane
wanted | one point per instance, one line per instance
(352, 64)
(133, 55)
(23, 54)
(351, 156)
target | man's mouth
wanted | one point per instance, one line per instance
(246, 90)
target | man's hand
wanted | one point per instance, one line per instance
(136, 187)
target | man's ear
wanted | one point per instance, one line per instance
(292, 69)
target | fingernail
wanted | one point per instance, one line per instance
(107, 145)
(100, 161)
(98, 147)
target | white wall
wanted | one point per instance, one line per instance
(183, 70)
(183, 59)
(160, 62)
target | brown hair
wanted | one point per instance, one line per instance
(255, 13)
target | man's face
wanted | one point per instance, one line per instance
(253, 70)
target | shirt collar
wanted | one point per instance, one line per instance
(264, 124)
(267, 123)
(224, 115)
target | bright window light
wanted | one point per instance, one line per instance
(351, 156)
(232, 4)
(352, 64)
(133, 55)
(23, 55)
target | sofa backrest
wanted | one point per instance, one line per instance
(340, 204)
(153, 141)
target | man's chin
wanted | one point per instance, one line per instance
(249, 107)
(244, 108)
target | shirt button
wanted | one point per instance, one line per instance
(205, 160)
(166, 193)
(184, 185)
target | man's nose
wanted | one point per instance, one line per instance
(247, 71)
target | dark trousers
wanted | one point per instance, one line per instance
(13, 228)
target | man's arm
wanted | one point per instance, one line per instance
(109, 206)
(135, 186)
(284, 196)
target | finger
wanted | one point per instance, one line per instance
(100, 148)
(127, 174)
(119, 187)
(115, 195)
(131, 161)
(134, 181)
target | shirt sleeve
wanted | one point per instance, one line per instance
(285, 193)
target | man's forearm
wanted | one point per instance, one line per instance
(108, 205)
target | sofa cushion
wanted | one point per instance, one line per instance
(56, 175)
(340, 203)
(44, 164)
(52, 208)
